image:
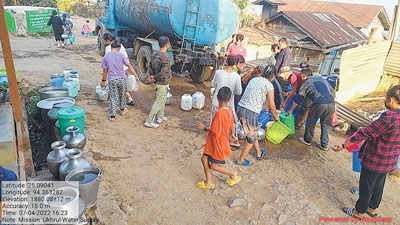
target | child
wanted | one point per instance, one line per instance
(86, 29)
(217, 144)
(379, 155)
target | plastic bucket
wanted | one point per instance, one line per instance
(89, 181)
(72, 38)
(356, 162)
(68, 202)
(57, 81)
(277, 132)
(71, 116)
(264, 117)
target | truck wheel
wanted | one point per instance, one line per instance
(201, 73)
(101, 46)
(210, 72)
(143, 62)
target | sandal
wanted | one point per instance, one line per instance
(122, 112)
(232, 182)
(371, 214)
(203, 185)
(350, 212)
(355, 191)
(111, 118)
(234, 143)
(245, 163)
(263, 153)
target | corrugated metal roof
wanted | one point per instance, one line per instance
(359, 15)
(392, 66)
(267, 2)
(326, 29)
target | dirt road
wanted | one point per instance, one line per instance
(150, 174)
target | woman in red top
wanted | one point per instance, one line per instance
(237, 47)
(217, 147)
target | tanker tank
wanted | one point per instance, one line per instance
(205, 21)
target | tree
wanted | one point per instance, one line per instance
(246, 15)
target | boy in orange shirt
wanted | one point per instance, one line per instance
(217, 144)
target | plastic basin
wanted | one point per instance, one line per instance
(277, 132)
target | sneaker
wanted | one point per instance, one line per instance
(131, 103)
(322, 147)
(151, 125)
(162, 119)
(304, 142)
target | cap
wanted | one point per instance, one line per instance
(285, 72)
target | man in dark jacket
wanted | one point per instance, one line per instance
(321, 94)
(58, 27)
(160, 75)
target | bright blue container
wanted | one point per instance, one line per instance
(356, 161)
(264, 117)
(57, 81)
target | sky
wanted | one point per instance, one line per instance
(388, 4)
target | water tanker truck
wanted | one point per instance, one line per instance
(194, 27)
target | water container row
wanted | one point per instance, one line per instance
(195, 101)
(69, 79)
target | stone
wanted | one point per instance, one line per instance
(235, 202)
(276, 187)
(264, 207)
(290, 223)
(282, 218)
(252, 222)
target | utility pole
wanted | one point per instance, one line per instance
(22, 133)
(396, 24)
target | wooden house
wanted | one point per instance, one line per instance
(320, 36)
(367, 18)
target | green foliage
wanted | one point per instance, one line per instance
(65, 5)
(32, 98)
(246, 15)
(41, 3)
(3, 88)
(242, 4)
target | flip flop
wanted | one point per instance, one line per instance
(355, 191)
(231, 182)
(371, 214)
(263, 153)
(203, 185)
(350, 212)
(245, 163)
(122, 112)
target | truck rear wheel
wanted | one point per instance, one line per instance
(201, 73)
(101, 46)
(143, 62)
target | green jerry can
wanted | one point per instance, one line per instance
(288, 120)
